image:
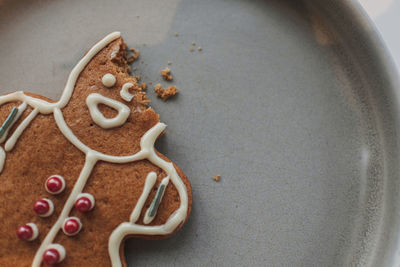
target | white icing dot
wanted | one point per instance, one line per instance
(51, 208)
(74, 229)
(108, 80)
(35, 231)
(60, 249)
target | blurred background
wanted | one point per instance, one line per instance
(386, 15)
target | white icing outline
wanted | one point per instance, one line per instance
(124, 93)
(149, 184)
(51, 208)
(147, 151)
(147, 219)
(20, 129)
(21, 109)
(73, 218)
(94, 99)
(63, 184)
(108, 80)
(2, 158)
(90, 197)
(35, 231)
(60, 249)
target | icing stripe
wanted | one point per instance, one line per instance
(152, 210)
(8, 121)
(2, 158)
(17, 133)
(21, 109)
(176, 218)
(150, 181)
(156, 202)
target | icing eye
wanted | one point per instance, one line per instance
(108, 80)
(28, 232)
(125, 93)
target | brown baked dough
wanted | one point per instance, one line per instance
(42, 150)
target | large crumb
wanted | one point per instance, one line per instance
(199, 48)
(166, 93)
(166, 74)
(133, 57)
(217, 177)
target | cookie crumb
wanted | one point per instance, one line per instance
(191, 49)
(144, 86)
(176, 34)
(150, 83)
(169, 62)
(166, 93)
(199, 48)
(138, 77)
(133, 57)
(143, 44)
(166, 74)
(193, 43)
(134, 68)
(217, 177)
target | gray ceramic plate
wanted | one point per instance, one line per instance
(297, 107)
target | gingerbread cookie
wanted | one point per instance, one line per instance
(81, 174)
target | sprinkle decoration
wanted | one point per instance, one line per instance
(55, 184)
(28, 232)
(8, 121)
(43, 207)
(85, 202)
(54, 254)
(156, 201)
(72, 226)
